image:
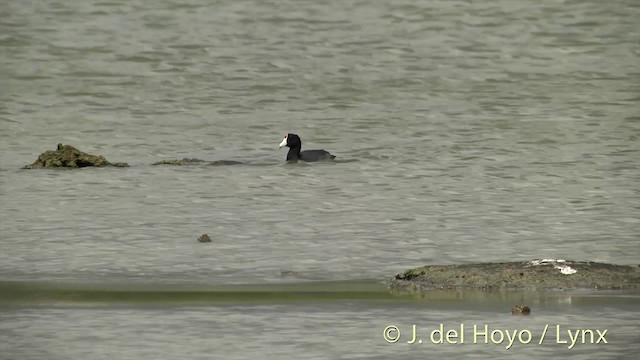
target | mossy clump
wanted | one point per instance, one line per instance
(181, 162)
(521, 310)
(67, 156)
(204, 238)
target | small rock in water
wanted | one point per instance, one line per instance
(520, 310)
(204, 238)
(288, 273)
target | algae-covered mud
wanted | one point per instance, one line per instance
(194, 161)
(179, 162)
(545, 274)
(67, 156)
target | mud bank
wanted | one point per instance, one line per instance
(194, 161)
(67, 156)
(544, 274)
(179, 162)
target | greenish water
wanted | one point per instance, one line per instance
(334, 319)
(465, 132)
(44, 294)
(18, 293)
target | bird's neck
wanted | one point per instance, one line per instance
(293, 154)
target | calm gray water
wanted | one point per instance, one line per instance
(465, 132)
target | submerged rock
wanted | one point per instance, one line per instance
(69, 157)
(184, 161)
(520, 310)
(545, 274)
(204, 238)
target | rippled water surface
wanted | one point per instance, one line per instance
(464, 132)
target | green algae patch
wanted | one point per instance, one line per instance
(194, 161)
(545, 274)
(180, 162)
(67, 156)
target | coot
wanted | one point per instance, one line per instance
(294, 143)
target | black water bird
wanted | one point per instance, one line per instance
(295, 144)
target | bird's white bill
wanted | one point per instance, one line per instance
(284, 142)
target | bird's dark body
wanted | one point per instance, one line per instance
(295, 144)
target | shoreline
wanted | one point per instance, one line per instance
(533, 275)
